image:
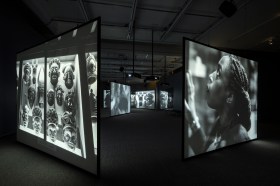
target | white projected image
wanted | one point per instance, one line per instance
(145, 99)
(120, 99)
(220, 103)
(32, 97)
(64, 106)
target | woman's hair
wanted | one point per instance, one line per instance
(240, 85)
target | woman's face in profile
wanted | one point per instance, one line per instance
(217, 90)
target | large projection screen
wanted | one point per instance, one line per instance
(220, 99)
(58, 110)
(120, 99)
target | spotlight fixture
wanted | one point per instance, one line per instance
(131, 75)
(228, 8)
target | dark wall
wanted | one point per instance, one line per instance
(175, 82)
(19, 30)
(268, 97)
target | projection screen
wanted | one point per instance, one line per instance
(163, 99)
(58, 109)
(145, 99)
(220, 99)
(120, 99)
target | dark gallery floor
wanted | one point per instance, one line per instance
(144, 148)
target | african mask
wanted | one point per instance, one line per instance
(59, 95)
(34, 73)
(54, 73)
(41, 88)
(69, 102)
(52, 131)
(31, 94)
(37, 120)
(69, 76)
(27, 74)
(67, 118)
(25, 115)
(50, 96)
(52, 119)
(70, 136)
(91, 69)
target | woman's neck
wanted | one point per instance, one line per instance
(226, 118)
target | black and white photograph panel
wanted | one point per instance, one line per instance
(106, 99)
(220, 99)
(31, 109)
(133, 100)
(65, 125)
(163, 99)
(92, 88)
(120, 99)
(145, 99)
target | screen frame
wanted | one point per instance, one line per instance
(43, 144)
(184, 66)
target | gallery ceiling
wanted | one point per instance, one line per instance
(255, 26)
